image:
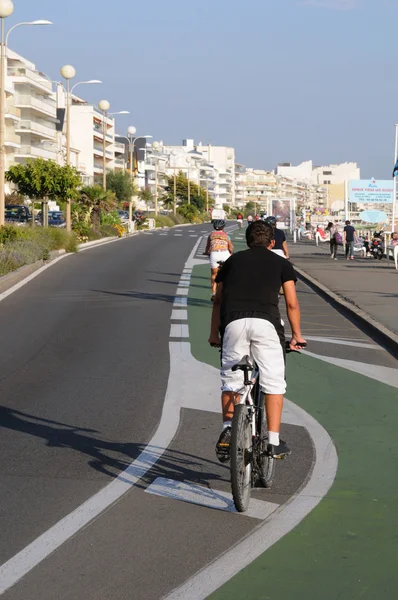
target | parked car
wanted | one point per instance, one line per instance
(123, 216)
(56, 219)
(17, 214)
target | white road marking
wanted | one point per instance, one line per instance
(32, 276)
(386, 375)
(179, 330)
(178, 301)
(186, 277)
(341, 342)
(29, 557)
(184, 283)
(163, 234)
(182, 291)
(178, 235)
(184, 368)
(286, 518)
(20, 284)
(203, 496)
(191, 231)
(179, 315)
(196, 235)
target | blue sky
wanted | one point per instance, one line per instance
(280, 80)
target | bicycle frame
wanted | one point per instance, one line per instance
(246, 396)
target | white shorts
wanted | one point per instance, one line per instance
(215, 257)
(258, 339)
(279, 253)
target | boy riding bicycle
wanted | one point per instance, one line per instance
(246, 321)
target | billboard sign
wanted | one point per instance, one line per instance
(372, 192)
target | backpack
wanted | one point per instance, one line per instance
(338, 237)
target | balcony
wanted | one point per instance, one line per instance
(48, 106)
(12, 140)
(99, 131)
(12, 113)
(120, 148)
(98, 151)
(25, 75)
(119, 162)
(35, 152)
(38, 128)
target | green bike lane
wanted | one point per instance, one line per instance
(346, 547)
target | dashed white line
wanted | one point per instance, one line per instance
(179, 330)
(182, 291)
(179, 301)
(179, 315)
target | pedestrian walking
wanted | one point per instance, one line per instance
(350, 237)
(333, 231)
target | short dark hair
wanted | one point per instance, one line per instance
(348, 222)
(259, 234)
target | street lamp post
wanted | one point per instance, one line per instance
(188, 159)
(131, 140)
(156, 146)
(68, 72)
(6, 9)
(104, 106)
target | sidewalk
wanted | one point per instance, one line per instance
(371, 285)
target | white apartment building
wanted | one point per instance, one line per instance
(211, 167)
(259, 186)
(301, 172)
(31, 112)
(87, 135)
(326, 175)
(336, 174)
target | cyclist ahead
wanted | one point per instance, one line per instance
(280, 246)
(246, 322)
(219, 247)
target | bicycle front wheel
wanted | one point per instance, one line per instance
(241, 457)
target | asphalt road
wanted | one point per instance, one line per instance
(84, 373)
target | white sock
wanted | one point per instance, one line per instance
(226, 424)
(273, 438)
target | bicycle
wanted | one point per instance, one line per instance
(250, 463)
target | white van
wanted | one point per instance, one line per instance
(218, 213)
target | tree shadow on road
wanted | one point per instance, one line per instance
(114, 459)
(155, 296)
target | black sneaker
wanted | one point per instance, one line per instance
(223, 444)
(280, 451)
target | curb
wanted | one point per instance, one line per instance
(382, 334)
(10, 279)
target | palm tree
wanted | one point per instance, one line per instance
(98, 200)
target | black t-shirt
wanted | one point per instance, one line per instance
(349, 233)
(279, 237)
(251, 282)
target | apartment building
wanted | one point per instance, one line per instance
(326, 175)
(88, 127)
(211, 167)
(262, 187)
(31, 112)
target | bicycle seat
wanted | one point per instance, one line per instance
(243, 365)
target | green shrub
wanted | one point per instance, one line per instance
(25, 245)
(8, 233)
(110, 218)
(108, 231)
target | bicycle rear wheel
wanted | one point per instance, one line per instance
(265, 463)
(241, 457)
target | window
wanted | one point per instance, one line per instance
(327, 182)
(327, 173)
